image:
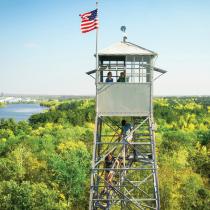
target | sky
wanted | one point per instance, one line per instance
(42, 50)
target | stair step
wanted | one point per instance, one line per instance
(141, 139)
(140, 143)
(147, 158)
(132, 143)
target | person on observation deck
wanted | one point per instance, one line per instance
(109, 77)
(122, 77)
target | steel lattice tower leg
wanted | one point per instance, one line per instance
(135, 183)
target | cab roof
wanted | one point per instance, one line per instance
(125, 48)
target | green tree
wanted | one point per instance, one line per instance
(27, 196)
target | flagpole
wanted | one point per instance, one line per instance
(97, 72)
(96, 81)
(97, 45)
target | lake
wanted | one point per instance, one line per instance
(20, 111)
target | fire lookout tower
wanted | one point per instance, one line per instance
(124, 169)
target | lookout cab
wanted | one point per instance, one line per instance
(130, 96)
(124, 91)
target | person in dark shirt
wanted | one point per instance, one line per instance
(125, 130)
(122, 77)
(110, 163)
(109, 77)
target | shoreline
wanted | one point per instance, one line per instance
(20, 111)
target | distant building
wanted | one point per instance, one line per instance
(13, 99)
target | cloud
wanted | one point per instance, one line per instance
(31, 45)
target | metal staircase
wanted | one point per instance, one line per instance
(134, 184)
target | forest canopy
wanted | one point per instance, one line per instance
(45, 161)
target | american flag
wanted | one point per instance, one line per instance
(89, 21)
